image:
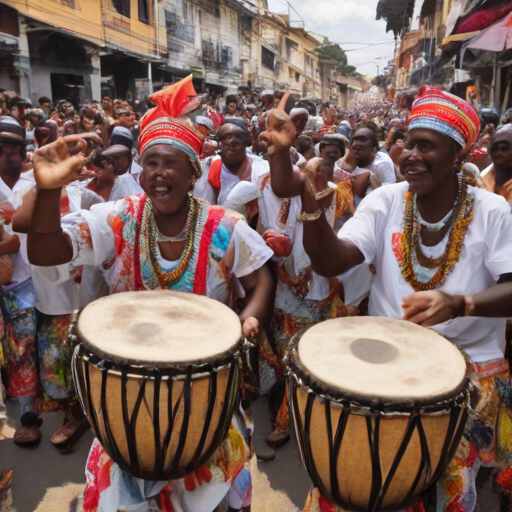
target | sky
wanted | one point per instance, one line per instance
(347, 21)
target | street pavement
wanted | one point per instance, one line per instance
(39, 471)
(39, 474)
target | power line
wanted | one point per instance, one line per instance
(365, 47)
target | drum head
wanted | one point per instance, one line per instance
(370, 358)
(159, 328)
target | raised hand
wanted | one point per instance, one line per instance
(61, 161)
(281, 132)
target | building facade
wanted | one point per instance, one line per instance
(85, 49)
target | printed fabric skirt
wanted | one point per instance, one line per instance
(54, 352)
(19, 347)
(109, 488)
(487, 441)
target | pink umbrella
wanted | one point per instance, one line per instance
(496, 38)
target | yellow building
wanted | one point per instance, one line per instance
(70, 48)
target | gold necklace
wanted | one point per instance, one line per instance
(167, 279)
(451, 256)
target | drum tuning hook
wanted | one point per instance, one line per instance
(71, 338)
(248, 344)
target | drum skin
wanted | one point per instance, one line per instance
(157, 424)
(347, 479)
(377, 417)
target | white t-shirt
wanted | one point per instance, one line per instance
(15, 195)
(383, 167)
(485, 256)
(228, 180)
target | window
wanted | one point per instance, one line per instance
(227, 57)
(143, 11)
(297, 77)
(291, 49)
(9, 20)
(267, 59)
(122, 7)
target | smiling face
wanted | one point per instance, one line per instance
(167, 177)
(427, 161)
(331, 154)
(87, 124)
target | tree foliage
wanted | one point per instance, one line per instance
(333, 51)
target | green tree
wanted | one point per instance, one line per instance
(334, 52)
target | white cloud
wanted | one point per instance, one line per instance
(347, 21)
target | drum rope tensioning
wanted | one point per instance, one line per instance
(366, 451)
(159, 391)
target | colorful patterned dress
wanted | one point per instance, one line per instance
(115, 237)
(303, 297)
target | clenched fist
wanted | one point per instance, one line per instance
(62, 161)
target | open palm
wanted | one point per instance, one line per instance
(60, 162)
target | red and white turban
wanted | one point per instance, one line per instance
(447, 114)
(167, 122)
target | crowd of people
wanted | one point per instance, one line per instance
(263, 206)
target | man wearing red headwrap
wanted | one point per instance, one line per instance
(441, 249)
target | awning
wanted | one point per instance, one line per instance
(460, 37)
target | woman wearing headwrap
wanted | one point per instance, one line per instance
(148, 242)
(442, 250)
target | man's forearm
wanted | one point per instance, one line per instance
(329, 255)
(260, 287)
(47, 245)
(10, 245)
(495, 302)
(284, 181)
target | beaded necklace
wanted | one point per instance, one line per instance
(463, 214)
(148, 225)
(184, 233)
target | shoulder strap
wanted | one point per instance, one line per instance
(214, 174)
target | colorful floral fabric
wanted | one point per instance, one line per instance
(113, 236)
(108, 486)
(20, 347)
(54, 352)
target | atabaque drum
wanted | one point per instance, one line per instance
(379, 408)
(157, 374)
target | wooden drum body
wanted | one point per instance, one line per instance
(160, 420)
(367, 450)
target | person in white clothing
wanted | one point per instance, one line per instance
(441, 249)
(222, 173)
(378, 166)
(17, 295)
